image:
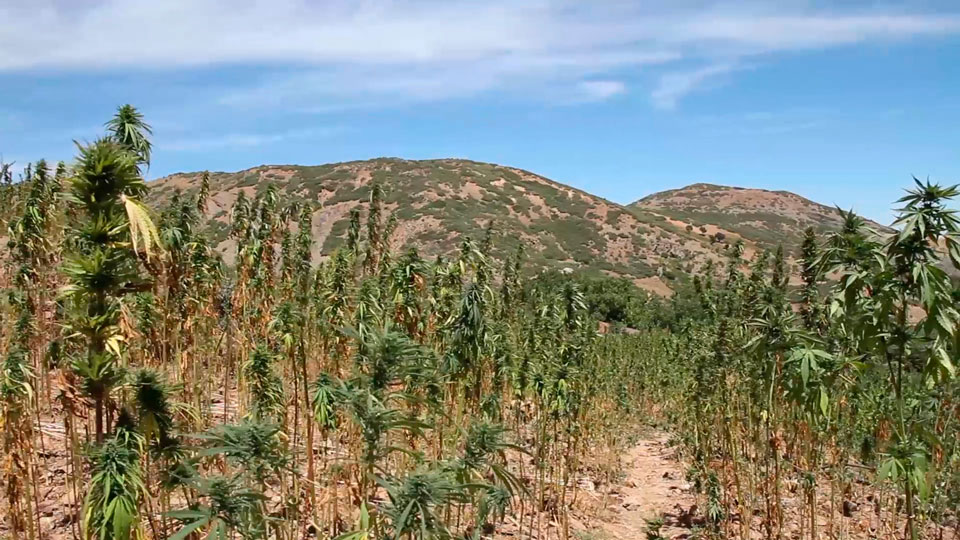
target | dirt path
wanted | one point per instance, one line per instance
(653, 487)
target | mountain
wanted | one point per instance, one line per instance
(759, 217)
(437, 202)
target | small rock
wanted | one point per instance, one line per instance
(66, 519)
(46, 523)
(849, 507)
(688, 516)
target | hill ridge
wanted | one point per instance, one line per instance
(438, 201)
(714, 186)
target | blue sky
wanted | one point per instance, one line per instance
(839, 101)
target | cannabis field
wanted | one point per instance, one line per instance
(150, 390)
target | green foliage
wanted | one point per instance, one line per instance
(254, 447)
(129, 130)
(877, 350)
(153, 404)
(266, 385)
(613, 300)
(414, 500)
(434, 395)
(229, 508)
(116, 485)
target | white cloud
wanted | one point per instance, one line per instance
(789, 128)
(674, 85)
(241, 140)
(348, 53)
(764, 122)
(768, 33)
(600, 90)
(559, 78)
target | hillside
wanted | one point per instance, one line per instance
(760, 217)
(438, 201)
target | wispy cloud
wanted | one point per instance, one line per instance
(10, 120)
(778, 32)
(343, 53)
(242, 140)
(789, 127)
(555, 77)
(599, 90)
(674, 85)
(764, 122)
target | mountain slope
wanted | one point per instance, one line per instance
(761, 218)
(439, 201)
